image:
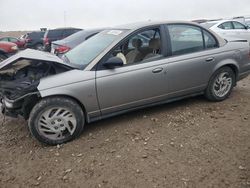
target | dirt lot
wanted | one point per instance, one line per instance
(190, 143)
(12, 33)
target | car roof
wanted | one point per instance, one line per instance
(221, 21)
(64, 28)
(138, 25)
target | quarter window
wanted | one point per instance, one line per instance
(238, 25)
(209, 40)
(185, 39)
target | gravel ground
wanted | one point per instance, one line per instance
(190, 143)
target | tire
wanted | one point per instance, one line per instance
(56, 120)
(2, 57)
(39, 47)
(221, 84)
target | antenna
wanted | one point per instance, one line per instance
(64, 18)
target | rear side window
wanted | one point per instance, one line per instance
(36, 34)
(226, 26)
(185, 39)
(68, 32)
(93, 34)
(4, 39)
(238, 25)
(55, 33)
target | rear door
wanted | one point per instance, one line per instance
(242, 30)
(226, 29)
(194, 52)
(136, 83)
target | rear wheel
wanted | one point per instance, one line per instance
(2, 57)
(56, 120)
(221, 84)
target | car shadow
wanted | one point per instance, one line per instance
(148, 111)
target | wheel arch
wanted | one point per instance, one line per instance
(72, 98)
(228, 63)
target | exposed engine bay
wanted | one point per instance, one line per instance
(19, 81)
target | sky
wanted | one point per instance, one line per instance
(36, 14)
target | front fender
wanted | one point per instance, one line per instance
(76, 84)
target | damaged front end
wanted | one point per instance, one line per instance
(19, 77)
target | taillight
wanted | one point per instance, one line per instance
(46, 40)
(62, 49)
(14, 48)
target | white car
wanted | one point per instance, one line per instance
(229, 29)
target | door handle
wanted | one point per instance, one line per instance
(157, 70)
(210, 59)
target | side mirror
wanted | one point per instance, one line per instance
(113, 62)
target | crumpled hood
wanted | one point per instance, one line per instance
(33, 54)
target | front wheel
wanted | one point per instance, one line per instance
(221, 84)
(56, 120)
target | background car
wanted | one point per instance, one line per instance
(62, 46)
(243, 19)
(19, 42)
(7, 49)
(34, 40)
(229, 29)
(56, 34)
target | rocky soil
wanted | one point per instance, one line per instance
(190, 143)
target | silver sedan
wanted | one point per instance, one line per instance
(116, 71)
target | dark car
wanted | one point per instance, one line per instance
(34, 40)
(60, 47)
(7, 49)
(19, 42)
(57, 34)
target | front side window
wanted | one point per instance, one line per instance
(226, 26)
(12, 40)
(144, 46)
(238, 25)
(185, 39)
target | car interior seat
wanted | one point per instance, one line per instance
(135, 55)
(155, 46)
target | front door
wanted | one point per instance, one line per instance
(142, 78)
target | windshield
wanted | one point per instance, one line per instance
(84, 53)
(208, 25)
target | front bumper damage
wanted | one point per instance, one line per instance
(20, 76)
(20, 106)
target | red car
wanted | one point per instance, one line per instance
(7, 49)
(20, 43)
